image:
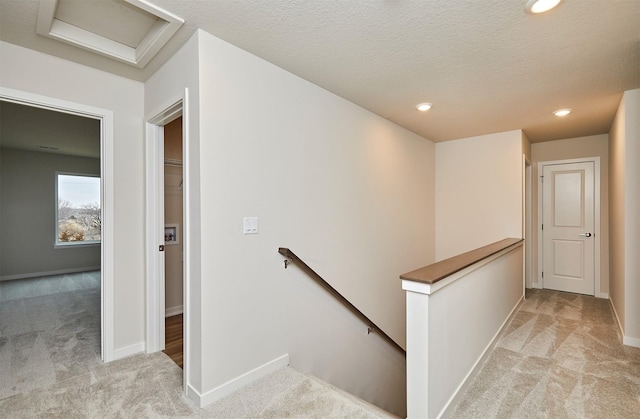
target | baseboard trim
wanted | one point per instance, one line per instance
(615, 313)
(230, 386)
(629, 341)
(49, 273)
(173, 311)
(453, 400)
(626, 340)
(120, 353)
(602, 295)
(193, 395)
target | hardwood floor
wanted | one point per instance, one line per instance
(173, 343)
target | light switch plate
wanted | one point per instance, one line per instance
(250, 225)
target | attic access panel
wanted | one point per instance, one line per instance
(130, 31)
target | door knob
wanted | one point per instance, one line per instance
(585, 234)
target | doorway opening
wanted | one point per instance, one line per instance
(89, 248)
(167, 235)
(174, 239)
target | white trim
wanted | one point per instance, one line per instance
(107, 178)
(629, 341)
(615, 313)
(159, 34)
(173, 311)
(626, 340)
(128, 351)
(76, 244)
(477, 366)
(186, 247)
(604, 295)
(50, 273)
(430, 289)
(528, 223)
(230, 386)
(597, 285)
(169, 112)
(154, 198)
(154, 208)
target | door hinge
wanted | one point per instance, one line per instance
(543, 274)
(543, 226)
(542, 179)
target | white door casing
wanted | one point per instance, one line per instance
(154, 197)
(569, 228)
(528, 224)
(107, 191)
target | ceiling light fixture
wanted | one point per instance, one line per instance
(562, 112)
(423, 107)
(540, 6)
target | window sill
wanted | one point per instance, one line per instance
(73, 245)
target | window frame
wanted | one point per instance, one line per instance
(73, 244)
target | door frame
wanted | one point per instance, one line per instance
(107, 190)
(154, 225)
(527, 220)
(597, 230)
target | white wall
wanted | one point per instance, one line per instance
(479, 192)
(162, 90)
(616, 221)
(28, 215)
(624, 221)
(349, 192)
(632, 216)
(443, 345)
(574, 148)
(526, 146)
(30, 71)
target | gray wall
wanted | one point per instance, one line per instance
(27, 215)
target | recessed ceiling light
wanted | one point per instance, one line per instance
(541, 6)
(562, 112)
(424, 106)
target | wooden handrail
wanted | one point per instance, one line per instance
(372, 327)
(435, 272)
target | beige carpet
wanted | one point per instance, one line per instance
(150, 386)
(560, 357)
(50, 368)
(49, 330)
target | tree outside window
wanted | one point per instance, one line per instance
(78, 211)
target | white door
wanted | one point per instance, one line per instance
(568, 227)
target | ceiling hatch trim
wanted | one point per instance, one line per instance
(166, 25)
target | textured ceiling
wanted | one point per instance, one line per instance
(36, 129)
(487, 66)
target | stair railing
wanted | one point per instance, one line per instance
(371, 326)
